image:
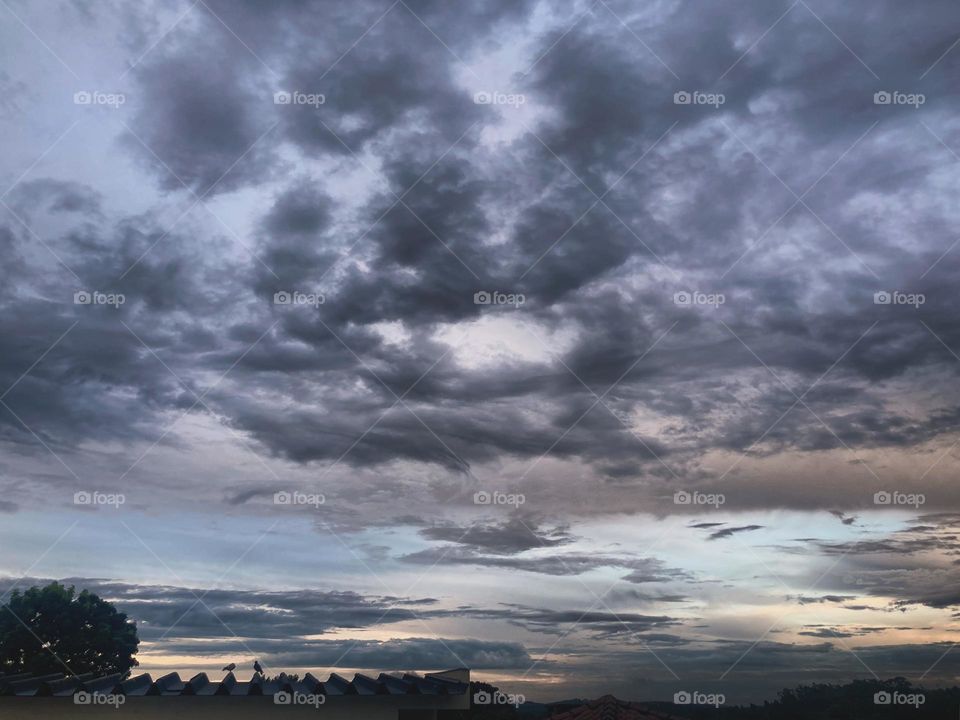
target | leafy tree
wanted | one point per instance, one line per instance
(54, 629)
(283, 677)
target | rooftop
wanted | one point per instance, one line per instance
(448, 682)
(609, 708)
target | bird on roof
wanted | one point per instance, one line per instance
(230, 668)
(256, 667)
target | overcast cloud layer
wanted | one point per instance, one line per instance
(566, 341)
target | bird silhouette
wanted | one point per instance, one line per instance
(256, 667)
(230, 668)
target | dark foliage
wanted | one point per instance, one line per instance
(54, 629)
(283, 677)
(893, 699)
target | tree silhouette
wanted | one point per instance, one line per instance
(53, 629)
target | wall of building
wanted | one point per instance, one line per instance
(351, 707)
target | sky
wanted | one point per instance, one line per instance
(599, 347)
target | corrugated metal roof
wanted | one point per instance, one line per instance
(60, 685)
(609, 708)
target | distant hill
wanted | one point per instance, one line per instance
(894, 699)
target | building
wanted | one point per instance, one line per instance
(609, 708)
(386, 697)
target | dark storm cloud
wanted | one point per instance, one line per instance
(805, 600)
(823, 631)
(176, 619)
(651, 598)
(296, 226)
(72, 371)
(398, 654)
(727, 532)
(601, 623)
(12, 92)
(13, 264)
(605, 101)
(57, 196)
(843, 517)
(163, 612)
(913, 566)
(509, 537)
(642, 570)
(566, 564)
(200, 124)
(200, 130)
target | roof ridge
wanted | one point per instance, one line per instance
(609, 707)
(172, 684)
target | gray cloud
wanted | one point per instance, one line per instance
(183, 613)
(727, 532)
(399, 654)
(511, 536)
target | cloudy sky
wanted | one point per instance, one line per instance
(596, 346)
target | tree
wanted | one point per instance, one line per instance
(284, 677)
(54, 629)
